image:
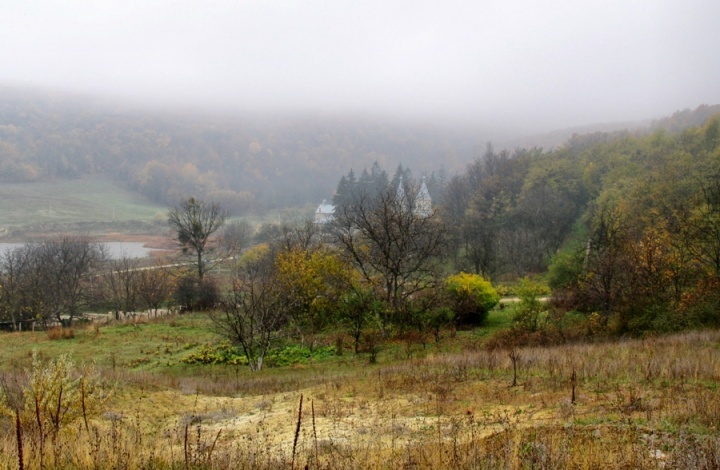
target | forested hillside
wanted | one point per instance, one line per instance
(244, 163)
(627, 224)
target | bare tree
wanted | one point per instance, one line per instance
(34, 292)
(65, 265)
(122, 285)
(289, 234)
(394, 247)
(193, 223)
(54, 277)
(304, 235)
(254, 310)
(13, 278)
(156, 285)
(236, 237)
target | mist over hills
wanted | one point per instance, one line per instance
(247, 163)
(244, 162)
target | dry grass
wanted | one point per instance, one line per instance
(57, 332)
(639, 404)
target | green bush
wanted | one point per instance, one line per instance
(504, 290)
(566, 267)
(224, 353)
(531, 312)
(298, 354)
(216, 353)
(437, 318)
(471, 297)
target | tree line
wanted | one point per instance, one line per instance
(57, 281)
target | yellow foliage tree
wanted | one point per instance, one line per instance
(315, 280)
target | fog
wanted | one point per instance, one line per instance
(525, 65)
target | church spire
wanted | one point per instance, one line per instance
(400, 194)
(423, 201)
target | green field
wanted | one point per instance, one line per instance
(85, 204)
(92, 205)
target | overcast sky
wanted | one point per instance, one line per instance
(533, 64)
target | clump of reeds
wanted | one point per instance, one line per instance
(59, 332)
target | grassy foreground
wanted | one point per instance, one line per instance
(650, 403)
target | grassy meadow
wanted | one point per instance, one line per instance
(650, 403)
(81, 205)
(92, 205)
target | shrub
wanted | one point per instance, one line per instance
(566, 267)
(438, 318)
(504, 290)
(471, 297)
(54, 395)
(224, 353)
(208, 294)
(59, 332)
(531, 311)
(298, 354)
(194, 295)
(220, 353)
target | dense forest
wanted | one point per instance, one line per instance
(627, 226)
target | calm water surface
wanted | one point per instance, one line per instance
(116, 250)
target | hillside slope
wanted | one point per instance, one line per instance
(248, 164)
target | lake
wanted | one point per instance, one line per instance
(116, 250)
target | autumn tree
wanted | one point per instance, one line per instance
(454, 202)
(478, 207)
(702, 227)
(481, 232)
(606, 262)
(313, 281)
(193, 223)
